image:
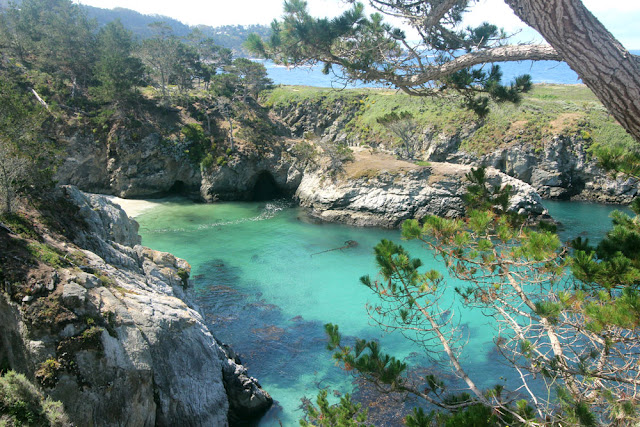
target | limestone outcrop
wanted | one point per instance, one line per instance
(110, 331)
(386, 196)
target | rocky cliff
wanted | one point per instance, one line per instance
(151, 167)
(372, 189)
(378, 190)
(127, 165)
(543, 145)
(547, 149)
(253, 175)
(107, 327)
(562, 168)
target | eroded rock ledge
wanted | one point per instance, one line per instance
(378, 190)
(112, 333)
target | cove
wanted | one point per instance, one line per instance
(267, 291)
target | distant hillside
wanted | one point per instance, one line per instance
(233, 36)
(135, 21)
(229, 36)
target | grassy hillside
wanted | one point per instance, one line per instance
(548, 110)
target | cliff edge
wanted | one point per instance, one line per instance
(107, 327)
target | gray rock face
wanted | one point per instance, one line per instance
(387, 199)
(133, 347)
(563, 169)
(151, 167)
(319, 117)
(241, 178)
(128, 167)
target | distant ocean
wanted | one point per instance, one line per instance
(540, 71)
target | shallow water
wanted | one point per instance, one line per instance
(266, 287)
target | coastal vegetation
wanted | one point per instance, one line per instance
(21, 403)
(563, 316)
(543, 112)
(60, 74)
(552, 326)
(446, 56)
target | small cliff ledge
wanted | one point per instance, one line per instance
(106, 326)
(378, 190)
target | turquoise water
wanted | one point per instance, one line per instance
(267, 291)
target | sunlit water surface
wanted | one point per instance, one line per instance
(266, 287)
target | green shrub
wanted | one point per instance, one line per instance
(22, 404)
(45, 254)
(19, 225)
(184, 276)
(305, 151)
(47, 373)
(344, 153)
(196, 140)
(207, 162)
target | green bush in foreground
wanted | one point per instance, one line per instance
(21, 404)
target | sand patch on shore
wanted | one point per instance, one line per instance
(133, 207)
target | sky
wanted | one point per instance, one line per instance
(621, 17)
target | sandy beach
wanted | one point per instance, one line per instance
(133, 207)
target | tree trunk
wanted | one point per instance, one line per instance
(162, 82)
(230, 131)
(603, 64)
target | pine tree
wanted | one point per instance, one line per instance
(117, 70)
(568, 316)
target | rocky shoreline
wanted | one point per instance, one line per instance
(558, 165)
(153, 360)
(400, 191)
(371, 189)
(111, 331)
